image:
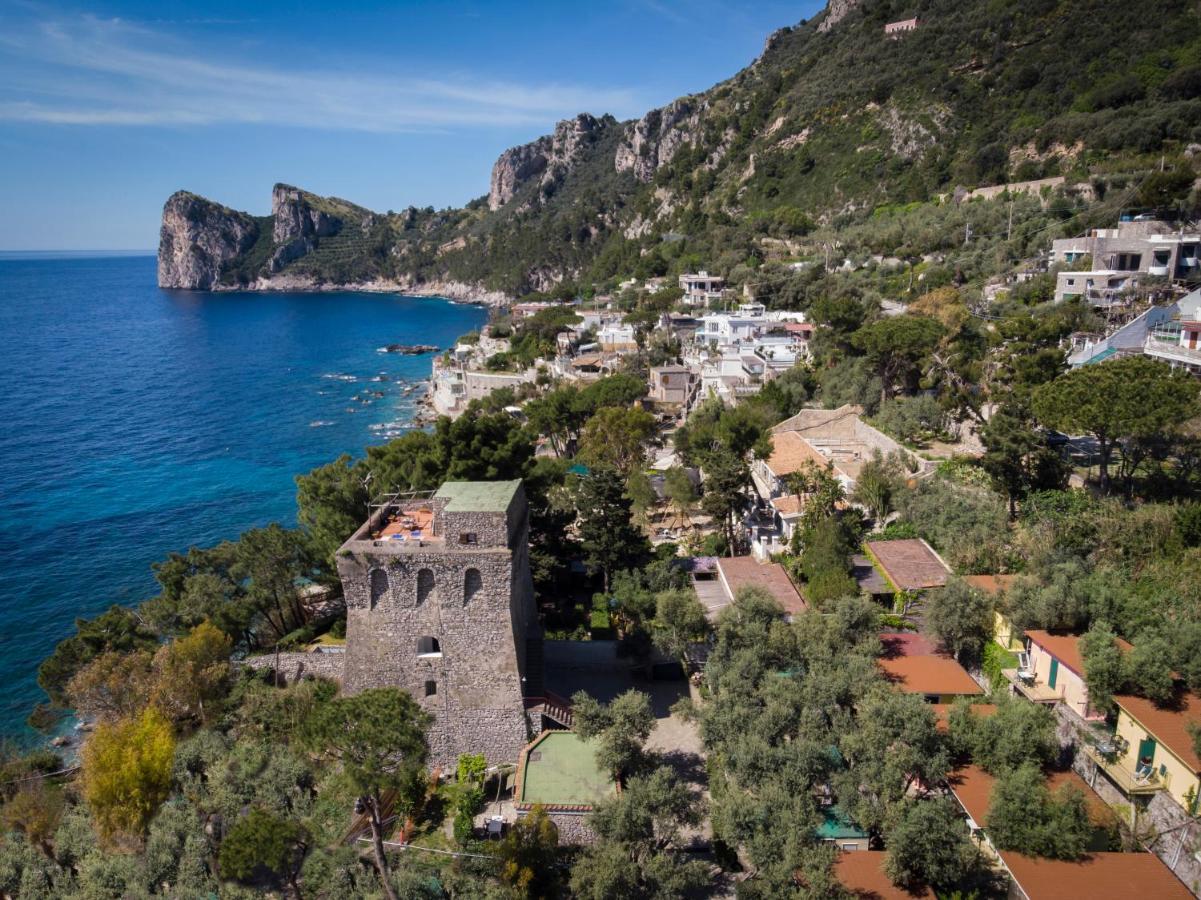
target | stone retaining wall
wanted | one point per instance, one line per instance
(294, 666)
(572, 823)
(1158, 821)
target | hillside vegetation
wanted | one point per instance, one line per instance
(814, 138)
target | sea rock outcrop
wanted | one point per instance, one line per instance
(198, 239)
(550, 158)
(653, 140)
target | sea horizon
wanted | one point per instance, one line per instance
(74, 254)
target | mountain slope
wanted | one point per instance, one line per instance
(833, 119)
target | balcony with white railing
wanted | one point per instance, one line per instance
(1171, 351)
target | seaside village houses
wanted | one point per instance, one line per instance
(440, 598)
(726, 354)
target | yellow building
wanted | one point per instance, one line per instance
(995, 586)
(1054, 672)
(1154, 749)
(1003, 633)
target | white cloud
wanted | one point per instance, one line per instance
(89, 71)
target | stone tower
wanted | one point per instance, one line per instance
(440, 602)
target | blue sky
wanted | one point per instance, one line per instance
(107, 109)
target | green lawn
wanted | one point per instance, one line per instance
(561, 768)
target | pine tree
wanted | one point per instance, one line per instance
(610, 539)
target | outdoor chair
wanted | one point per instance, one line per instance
(1025, 673)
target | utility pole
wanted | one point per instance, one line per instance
(1009, 229)
(967, 233)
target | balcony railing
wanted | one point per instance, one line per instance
(1170, 350)
(1128, 782)
(1030, 688)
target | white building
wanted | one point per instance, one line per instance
(616, 337)
(1176, 338)
(1119, 255)
(454, 385)
(1100, 287)
(722, 330)
(701, 288)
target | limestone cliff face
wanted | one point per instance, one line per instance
(198, 239)
(836, 11)
(298, 224)
(654, 139)
(550, 159)
(515, 167)
(296, 217)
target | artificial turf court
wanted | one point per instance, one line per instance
(560, 769)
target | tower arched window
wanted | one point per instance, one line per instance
(379, 586)
(428, 646)
(473, 583)
(425, 585)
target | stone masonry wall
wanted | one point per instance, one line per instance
(294, 666)
(574, 827)
(1160, 821)
(477, 671)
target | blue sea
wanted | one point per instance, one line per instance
(136, 421)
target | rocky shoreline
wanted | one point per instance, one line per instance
(457, 291)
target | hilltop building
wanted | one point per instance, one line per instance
(896, 29)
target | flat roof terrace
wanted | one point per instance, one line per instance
(409, 522)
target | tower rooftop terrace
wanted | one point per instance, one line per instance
(458, 510)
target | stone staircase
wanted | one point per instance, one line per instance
(538, 700)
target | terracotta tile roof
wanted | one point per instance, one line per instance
(739, 571)
(991, 584)
(943, 711)
(1099, 876)
(862, 873)
(973, 788)
(929, 675)
(1169, 724)
(910, 563)
(1066, 648)
(907, 643)
(788, 505)
(790, 452)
